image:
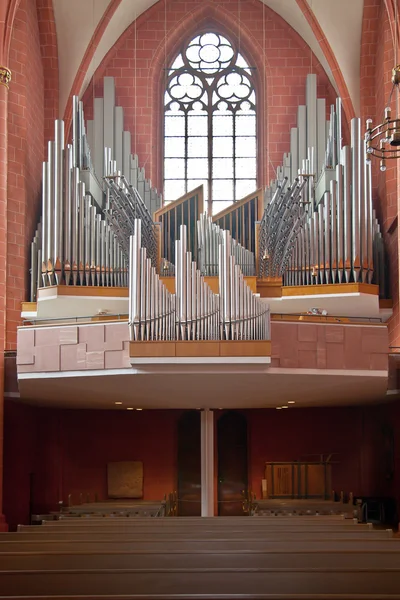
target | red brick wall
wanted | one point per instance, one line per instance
(139, 75)
(25, 155)
(353, 435)
(68, 451)
(386, 199)
(49, 52)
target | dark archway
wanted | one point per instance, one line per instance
(232, 463)
(189, 464)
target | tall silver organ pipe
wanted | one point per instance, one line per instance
(73, 249)
(196, 307)
(209, 237)
(110, 146)
(151, 305)
(79, 245)
(243, 315)
(194, 312)
(334, 239)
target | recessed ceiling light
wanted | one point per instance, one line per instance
(139, 409)
(129, 408)
(279, 408)
(291, 402)
(118, 403)
(285, 407)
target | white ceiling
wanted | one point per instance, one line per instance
(206, 386)
(76, 21)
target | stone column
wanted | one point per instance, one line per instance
(5, 77)
(207, 463)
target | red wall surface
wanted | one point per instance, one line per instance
(68, 451)
(137, 63)
(25, 156)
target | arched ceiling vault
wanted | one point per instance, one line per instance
(338, 27)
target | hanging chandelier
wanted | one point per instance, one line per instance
(383, 141)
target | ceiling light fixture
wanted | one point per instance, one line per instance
(383, 141)
(129, 408)
(279, 408)
(285, 407)
(139, 409)
(291, 402)
(118, 403)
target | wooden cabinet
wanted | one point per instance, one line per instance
(298, 480)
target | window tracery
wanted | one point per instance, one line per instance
(210, 123)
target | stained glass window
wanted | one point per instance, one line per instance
(210, 123)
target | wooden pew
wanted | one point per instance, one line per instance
(321, 559)
(165, 535)
(230, 582)
(298, 544)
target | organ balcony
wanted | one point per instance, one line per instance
(279, 299)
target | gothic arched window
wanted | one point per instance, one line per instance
(210, 123)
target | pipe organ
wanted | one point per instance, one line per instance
(183, 211)
(194, 312)
(83, 237)
(111, 147)
(77, 245)
(325, 231)
(209, 237)
(313, 231)
(240, 218)
(123, 207)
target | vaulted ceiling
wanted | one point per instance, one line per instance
(77, 20)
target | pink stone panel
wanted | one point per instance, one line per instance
(95, 360)
(308, 346)
(307, 333)
(334, 356)
(289, 363)
(25, 346)
(354, 358)
(334, 333)
(307, 359)
(115, 359)
(115, 336)
(73, 358)
(375, 340)
(379, 362)
(92, 336)
(284, 341)
(47, 359)
(321, 356)
(47, 336)
(68, 335)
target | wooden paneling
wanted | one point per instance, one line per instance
(184, 211)
(240, 219)
(331, 288)
(298, 480)
(215, 348)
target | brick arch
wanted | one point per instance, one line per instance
(76, 88)
(283, 67)
(49, 51)
(7, 15)
(209, 16)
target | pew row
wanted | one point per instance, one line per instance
(230, 582)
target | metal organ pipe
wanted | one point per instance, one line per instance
(75, 243)
(194, 312)
(340, 235)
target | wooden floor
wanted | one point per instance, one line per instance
(282, 557)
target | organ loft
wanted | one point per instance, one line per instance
(200, 298)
